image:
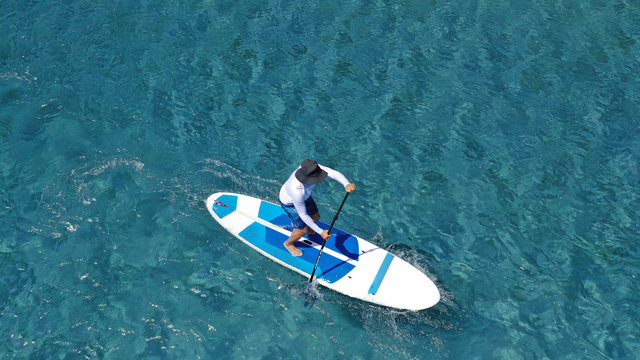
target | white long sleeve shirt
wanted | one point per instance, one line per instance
(295, 193)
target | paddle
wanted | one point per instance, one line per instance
(325, 241)
(311, 295)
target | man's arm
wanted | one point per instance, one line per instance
(337, 176)
(302, 212)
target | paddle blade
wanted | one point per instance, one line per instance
(311, 294)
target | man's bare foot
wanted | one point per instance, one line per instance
(293, 249)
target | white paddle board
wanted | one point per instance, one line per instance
(348, 264)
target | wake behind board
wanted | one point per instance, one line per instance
(348, 265)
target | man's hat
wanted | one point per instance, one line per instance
(310, 173)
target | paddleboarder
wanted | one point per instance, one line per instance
(296, 200)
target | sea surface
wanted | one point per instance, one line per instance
(494, 144)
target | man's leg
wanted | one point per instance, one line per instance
(296, 234)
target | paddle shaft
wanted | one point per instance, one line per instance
(325, 241)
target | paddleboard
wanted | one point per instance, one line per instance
(348, 264)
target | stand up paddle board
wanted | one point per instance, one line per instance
(348, 265)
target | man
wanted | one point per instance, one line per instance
(297, 202)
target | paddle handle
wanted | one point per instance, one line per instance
(325, 241)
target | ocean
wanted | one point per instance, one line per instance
(494, 145)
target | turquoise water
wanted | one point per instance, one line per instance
(495, 145)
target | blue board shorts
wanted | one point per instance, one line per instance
(297, 222)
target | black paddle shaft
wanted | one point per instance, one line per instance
(325, 241)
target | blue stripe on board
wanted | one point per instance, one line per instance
(375, 285)
(225, 205)
(273, 213)
(330, 268)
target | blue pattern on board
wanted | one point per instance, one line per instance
(382, 271)
(225, 205)
(342, 241)
(273, 213)
(270, 241)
